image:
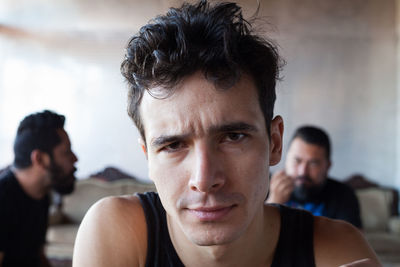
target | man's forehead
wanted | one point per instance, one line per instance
(198, 106)
(64, 139)
(198, 93)
(166, 94)
(301, 148)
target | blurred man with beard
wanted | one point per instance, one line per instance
(43, 161)
(305, 184)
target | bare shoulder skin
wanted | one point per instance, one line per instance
(337, 243)
(113, 233)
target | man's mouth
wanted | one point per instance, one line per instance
(209, 214)
(303, 180)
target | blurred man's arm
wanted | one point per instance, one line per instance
(1, 258)
(281, 187)
(112, 233)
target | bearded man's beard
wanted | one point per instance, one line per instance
(307, 192)
(62, 183)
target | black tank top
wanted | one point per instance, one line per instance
(295, 246)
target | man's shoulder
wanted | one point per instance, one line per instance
(336, 185)
(7, 183)
(121, 204)
(118, 205)
(114, 227)
(346, 240)
(334, 182)
(6, 176)
(115, 213)
(324, 226)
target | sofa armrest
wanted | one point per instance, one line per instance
(374, 208)
(394, 225)
(56, 217)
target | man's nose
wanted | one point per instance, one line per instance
(302, 169)
(207, 175)
(74, 157)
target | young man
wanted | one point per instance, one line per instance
(202, 90)
(305, 184)
(43, 161)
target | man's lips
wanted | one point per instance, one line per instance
(303, 180)
(300, 181)
(211, 213)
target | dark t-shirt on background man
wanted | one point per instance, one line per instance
(23, 223)
(336, 201)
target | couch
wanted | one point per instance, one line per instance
(380, 218)
(66, 217)
(379, 215)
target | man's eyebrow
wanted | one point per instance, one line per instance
(233, 127)
(166, 139)
(229, 127)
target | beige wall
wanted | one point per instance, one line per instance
(398, 91)
(340, 74)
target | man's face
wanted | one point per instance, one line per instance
(208, 153)
(308, 165)
(62, 167)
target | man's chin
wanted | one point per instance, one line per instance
(305, 193)
(213, 238)
(67, 187)
(300, 193)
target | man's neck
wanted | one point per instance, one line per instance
(255, 247)
(31, 182)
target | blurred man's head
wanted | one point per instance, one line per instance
(44, 132)
(308, 162)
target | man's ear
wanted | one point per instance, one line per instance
(275, 152)
(142, 144)
(40, 158)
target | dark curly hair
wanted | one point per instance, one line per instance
(215, 40)
(36, 131)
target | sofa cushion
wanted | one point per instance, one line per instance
(129, 188)
(60, 241)
(375, 208)
(89, 191)
(394, 225)
(86, 193)
(386, 245)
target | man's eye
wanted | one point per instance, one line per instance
(173, 147)
(233, 137)
(314, 164)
